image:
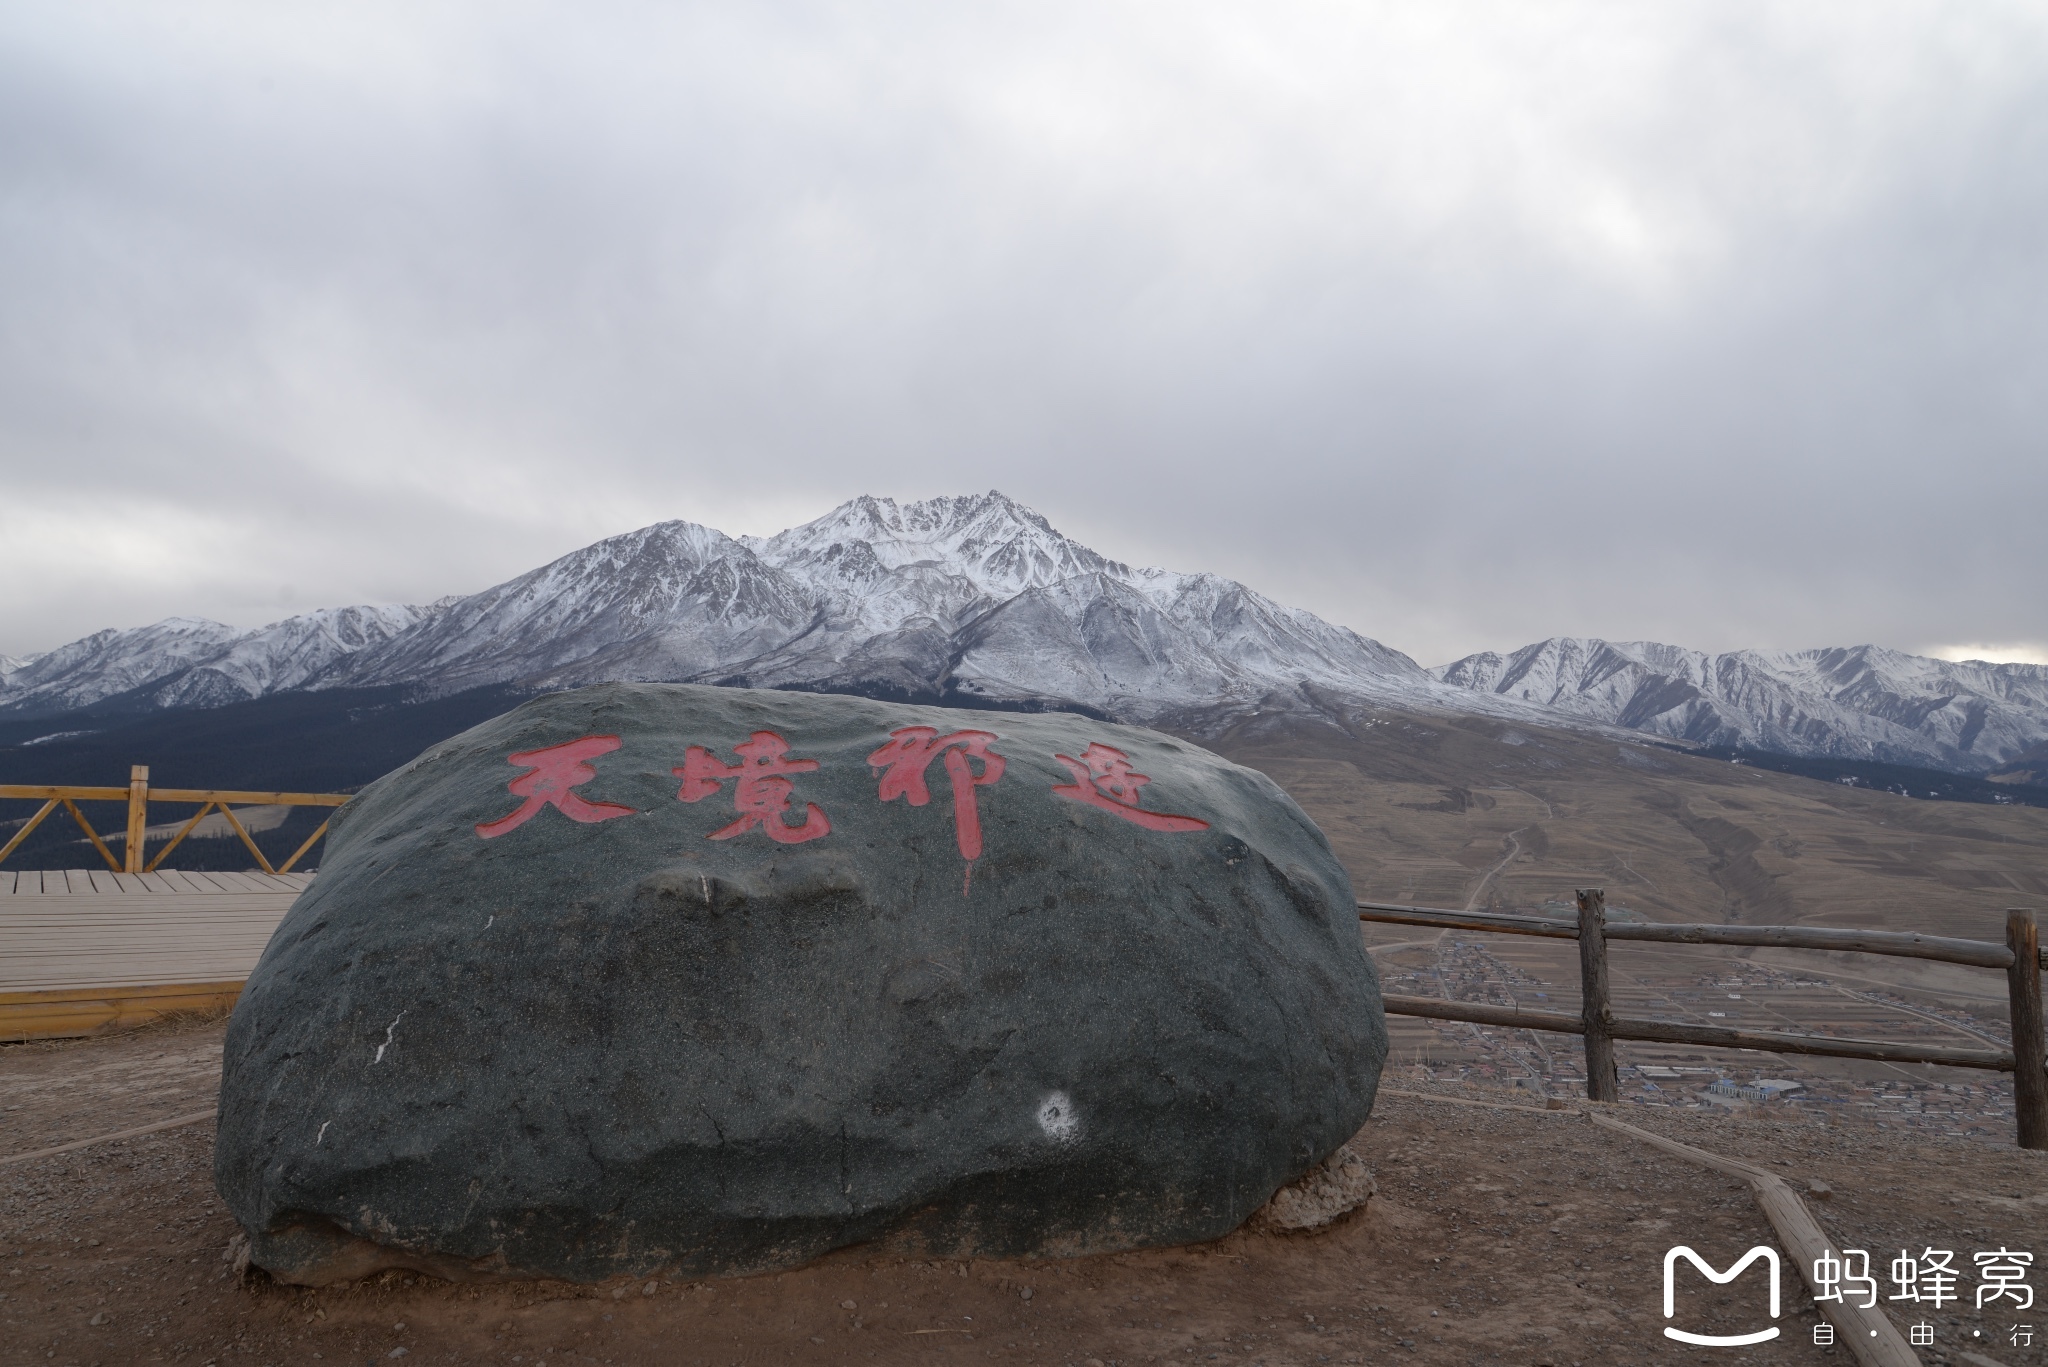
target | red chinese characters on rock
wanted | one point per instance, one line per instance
(1103, 778)
(551, 773)
(910, 752)
(762, 794)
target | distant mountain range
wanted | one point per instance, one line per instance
(1858, 702)
(979, 601)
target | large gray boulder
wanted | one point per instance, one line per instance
(712, 981)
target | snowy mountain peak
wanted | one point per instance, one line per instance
(1850, 702)
(677, 597)
(192, 662)
(995, 543)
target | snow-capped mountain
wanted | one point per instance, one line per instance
(191, 662)
(979, 600)
(975, 599)
(986, 547)
(107, 663)
(669, 601)
(1862, 702)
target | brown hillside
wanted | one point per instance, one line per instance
(1475, 813)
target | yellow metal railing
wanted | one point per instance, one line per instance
(138, 795)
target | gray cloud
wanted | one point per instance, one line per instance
(1459, 324)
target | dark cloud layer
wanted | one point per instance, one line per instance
(1463, 325)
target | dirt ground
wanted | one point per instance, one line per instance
(1499, 1236)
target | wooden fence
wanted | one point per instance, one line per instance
(2020, 956)
(138, 795)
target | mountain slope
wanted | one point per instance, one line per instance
(1863, 702)
(191, 662)
(668, 601)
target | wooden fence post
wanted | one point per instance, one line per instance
(2029, 1049)
(1601, 1082)
(138, 817)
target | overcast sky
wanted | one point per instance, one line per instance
(1463, 325)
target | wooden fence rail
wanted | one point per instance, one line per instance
(1904, 944)
(138, 795)
(2021, 956)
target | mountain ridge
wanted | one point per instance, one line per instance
(1853, 702)
(973, 599)
(978, 600)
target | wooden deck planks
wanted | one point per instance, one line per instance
(65, 933)
(106, 883)
(98, 952)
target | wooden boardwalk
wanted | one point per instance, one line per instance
(85, 949)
